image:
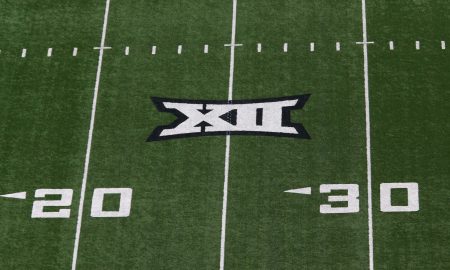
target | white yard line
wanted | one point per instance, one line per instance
(228, 141)
(368, 140)
(225, 202)
(89, 142)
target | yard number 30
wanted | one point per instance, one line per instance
(352, 198)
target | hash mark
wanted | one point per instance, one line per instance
(153, 50)
(365, 42)
(443, 45)
(311, 46)
(49, 52)
(206, 48)
(24, 53)
(180, 49)
(102, 48)
(417, 45)
(233, 45)
(259, 47)
(285, 47)
(338, 46)
(391, 45)
(75, 51)
(127, 50)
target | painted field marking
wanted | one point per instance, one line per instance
(153, 50)
(417, 45)
(17, 195)
(75, 51)
(311, 46)
(305, 191)
(49, 52)
(24, 53)
(228, 141)
(338, 46)
(365, 44)
(90, 135)
(101, 48)
(233, 45)
(180, 49)
(443, 45)
(391, 45)
(285, 47)
(259, 47)
(206, 48)
(127, 50)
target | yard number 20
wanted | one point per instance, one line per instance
(65, 200)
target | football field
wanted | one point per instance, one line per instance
(234, 134)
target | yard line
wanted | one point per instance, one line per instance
(338, 46)
(443, 45)
(391, 45)
(206, 48)
(127, 50)
(24, 53)
(311, 46)
(228, 141)
(285, 47)
(49, 52)
(259, 47)
(75, 51)
(225, 202)
(153, 50)
(368, 140)
(417, 45)
(89, 142)
(180, 49)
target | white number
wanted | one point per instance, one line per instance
(386, 202)
(351, 198)
(125, 202)
(38, 206)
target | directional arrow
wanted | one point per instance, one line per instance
(204, 110)
(306, 191)
(203, 126)
(18, 195)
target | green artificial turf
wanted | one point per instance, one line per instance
(176, 210)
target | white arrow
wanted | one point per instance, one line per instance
(18, 195)
(306, 191)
